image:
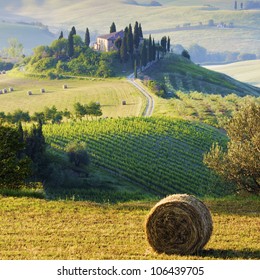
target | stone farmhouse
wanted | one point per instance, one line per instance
(106, 43)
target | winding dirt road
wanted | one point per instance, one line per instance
(150, 101)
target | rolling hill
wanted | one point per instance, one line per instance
(156, 20)
(30, 35)
(179, 73)
(110, 93)
(162, 155)
(244, 71)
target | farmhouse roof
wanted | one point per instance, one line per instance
(112, 36)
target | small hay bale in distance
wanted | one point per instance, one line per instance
(42, 90)
(4, 90)
(1, 92)
(29, 92)
(65, 86)
(179, 224)
(123, 102)
(11, 89)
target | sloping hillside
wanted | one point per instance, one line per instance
(162, 155)
(157, 20)
(244, 71)
(179, 73)
(30, 35)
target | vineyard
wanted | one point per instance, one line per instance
(162, 155)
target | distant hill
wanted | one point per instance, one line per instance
(30, 35)
(156, 20)
(244, 71)
(179, 73)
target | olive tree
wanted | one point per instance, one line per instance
(240, 163)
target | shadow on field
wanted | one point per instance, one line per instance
(230, 254)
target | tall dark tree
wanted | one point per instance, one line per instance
(113, 28)
(135, 69)
(118, 43)
(168, 44)
(73, 30)
(144, 54)
(164, 44)
(123, 50)
(87, 38)
(35, 145)
(154, 50)
(136, 35)
(61, 35)
(150, 49)
(140, 30)
(14, 169)
(70, 45)
(130, 41)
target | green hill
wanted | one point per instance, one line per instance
(161, 155)
(178, 73)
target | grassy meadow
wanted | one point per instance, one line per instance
(38, 229)
(244, 71)
(109, 92)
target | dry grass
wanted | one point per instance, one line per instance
(39, 229)
(109, 93)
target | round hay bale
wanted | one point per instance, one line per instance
(179, 224)
(11, 89)
(123, 102)
(1, 91)
(42, 90)
(29, 92)
(4, 90)
(65, 86)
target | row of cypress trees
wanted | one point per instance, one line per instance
(139, 50)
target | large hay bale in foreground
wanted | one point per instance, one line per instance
(179, 224)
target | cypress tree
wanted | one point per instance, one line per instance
(140, 31)
(144, 54)
(130, 41)
(168, 44)
(73, 30)
(123, 50)
(158, 48)
(136, 35)
(113, 28)
(70, 45)
(87, 38)
(61, 35)
(135, 69)
(164, 43)
(150, 49)
(154, 51)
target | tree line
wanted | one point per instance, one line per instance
(52, 114)
(25, 160)
(73, 55)
(138, 50)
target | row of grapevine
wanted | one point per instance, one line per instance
(161, 154)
